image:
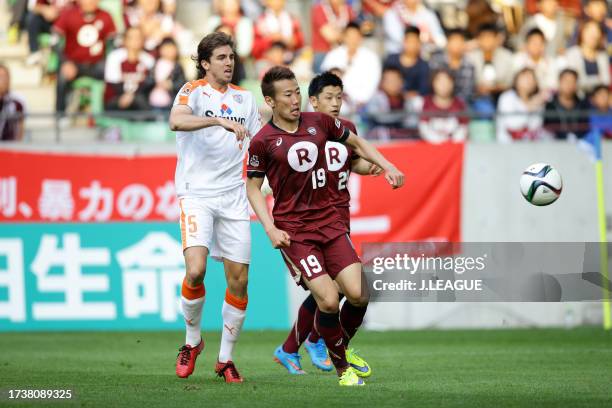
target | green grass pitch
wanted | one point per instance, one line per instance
(478, 368)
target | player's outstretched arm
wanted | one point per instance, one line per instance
(183, 119)
(278, 238)
(365, 168)
(367, 151)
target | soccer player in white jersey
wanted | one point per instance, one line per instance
(213, 120)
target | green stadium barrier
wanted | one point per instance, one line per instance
(482, 131)
(95, 89)
(138, 131)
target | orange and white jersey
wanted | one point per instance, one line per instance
(210, 160)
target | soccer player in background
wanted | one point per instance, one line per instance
(212, 117)
(325, 94)
(307, 227)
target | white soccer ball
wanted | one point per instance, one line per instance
(541, 184)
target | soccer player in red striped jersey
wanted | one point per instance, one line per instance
(307, 227)
(325, 94)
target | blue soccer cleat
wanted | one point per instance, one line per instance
(291, 361)
(318, 354)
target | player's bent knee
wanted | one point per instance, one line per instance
(329, 304)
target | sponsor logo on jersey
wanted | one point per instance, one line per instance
(336, 155)
(279, 141)
(226, 110)
(312, 130)
(186, 90)
(302, 156)
(254, 161)
(211, 114)
(238, 98)
(338, 124)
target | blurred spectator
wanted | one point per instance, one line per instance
(385, 112)
(443, 114)
(406, 13)
(19, 12)
(328, 18)
(376, 8)
(359, 65)
(589, 58)
(155, 25)
(492, 63)
(40, 20)
(557, 27)
(85, 29)
(520, 109)
(275, 55)
(125, 73)
(413, 68)
(241, 27)
(167, 76)
(596, 10)
(276, 24)
(479, 13)
(601, 113)
(534, 57)
(565, 115)
(454, 60)
(12, 109)
(239, 71)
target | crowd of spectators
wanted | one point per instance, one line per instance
(535, 69)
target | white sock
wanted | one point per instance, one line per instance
(233, 318)
(192, 311)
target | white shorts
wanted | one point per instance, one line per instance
(221, 224)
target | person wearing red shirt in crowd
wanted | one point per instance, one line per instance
(85, 29)
(40, 20)
(329, 19)
(443, 114)
(12, 109)
(274, 25)
(125, 73)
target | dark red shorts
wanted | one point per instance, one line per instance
(309, 257)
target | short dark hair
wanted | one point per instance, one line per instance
(568, 71)
(322, 80)
(207, 46)
(487, 28)
(279, 44)
(412, 30)
(534, 31)
(456, 31)
(274, 74)
(353, 25)
(599, 88)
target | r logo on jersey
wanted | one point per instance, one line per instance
(254, 161)
(336, 155)
(302, 156)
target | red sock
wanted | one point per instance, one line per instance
(302, 326)
(328, 325)
(351, 318)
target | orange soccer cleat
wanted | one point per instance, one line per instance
(185, 361)
(228, 371)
